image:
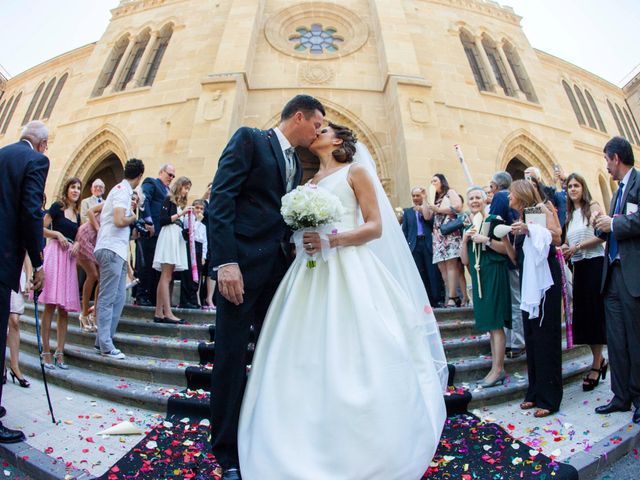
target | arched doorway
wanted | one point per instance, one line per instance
(521, 150)
(516, 168)
(109, 170)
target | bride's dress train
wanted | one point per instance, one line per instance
(334, 391)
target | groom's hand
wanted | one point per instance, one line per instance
(231, 284)
(311, 242)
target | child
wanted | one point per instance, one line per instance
(171, 249)
(189, 289)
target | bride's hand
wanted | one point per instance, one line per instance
(311, 242)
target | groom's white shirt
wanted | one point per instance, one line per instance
(284, 145)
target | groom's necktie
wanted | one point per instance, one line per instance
(613, 243)
(290, 161)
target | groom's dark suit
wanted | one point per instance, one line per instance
(245, 227)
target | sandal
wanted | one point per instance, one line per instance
(92, 322)
(58, 360)
(48, 366)
(527, 405)
(542, 412)
(456, 302)
(85, 323)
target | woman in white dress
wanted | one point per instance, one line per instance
(348, 375)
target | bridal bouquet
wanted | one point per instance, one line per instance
(311, 209)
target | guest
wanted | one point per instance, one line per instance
(171, 250)
(206, 294)
(112, 253)
(446, 248)
(418, 233)
(189, 290)
(97, 191)
(61, 225)
(486, 258)
(488, 191)
(154, 191)
(586, 252)
(499, 185)
(13, 336)
(24, 168)
(541, 299)
(86, 240)
(620, 280)
(558, 199)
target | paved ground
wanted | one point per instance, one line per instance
(626, 468)
(75, 439)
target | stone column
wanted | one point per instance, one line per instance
(491, 78)
(123, 61)
(143, 66)
(512, 78)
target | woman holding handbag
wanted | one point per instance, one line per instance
(447, 235)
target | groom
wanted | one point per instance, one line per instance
(250, 252)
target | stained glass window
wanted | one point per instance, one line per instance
(316, 39)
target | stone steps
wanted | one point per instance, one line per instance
(162, 357)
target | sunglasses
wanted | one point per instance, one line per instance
(171, 175)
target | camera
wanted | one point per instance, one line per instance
(140, 226)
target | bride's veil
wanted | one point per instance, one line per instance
(392, 249)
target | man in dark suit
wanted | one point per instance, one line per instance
(418, 233)
(154, 191)
(250, 251)
(620, 279)
(24, 170)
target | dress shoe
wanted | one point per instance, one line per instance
(636, 415)
(611, 407)
(143, 302)
(231, 474)
(3, 412)
(516, 352)
(10, 436)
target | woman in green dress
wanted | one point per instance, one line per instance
(485, 256)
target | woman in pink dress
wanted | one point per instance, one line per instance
(60, 290)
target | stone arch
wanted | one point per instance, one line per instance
(605, 191)
(105, 147)
(342, 116)
(523, 147)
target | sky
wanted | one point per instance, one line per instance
(597, 35)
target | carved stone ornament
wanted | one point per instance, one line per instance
(316, 73)
(214, 107)
(419, 110)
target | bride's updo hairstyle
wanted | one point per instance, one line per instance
(345, 152)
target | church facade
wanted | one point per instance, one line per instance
(169, 81)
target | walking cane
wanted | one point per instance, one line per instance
(36, 294)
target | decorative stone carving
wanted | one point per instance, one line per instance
(214, 107)
(316, 73)
(419, 111)
(289, 22)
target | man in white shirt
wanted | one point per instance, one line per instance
(97, 191)
(112, 253)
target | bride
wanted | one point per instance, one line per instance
(348, 375)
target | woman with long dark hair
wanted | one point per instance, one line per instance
(446, 248)
(60, 290)
(586, 252)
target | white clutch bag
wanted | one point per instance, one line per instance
(501, 231)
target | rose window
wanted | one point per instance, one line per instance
(316, 40)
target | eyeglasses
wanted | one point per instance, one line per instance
(171, 175)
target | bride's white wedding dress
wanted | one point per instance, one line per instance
(334, 393)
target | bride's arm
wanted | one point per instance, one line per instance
(366, 196)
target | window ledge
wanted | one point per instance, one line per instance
(521, 101)
(594, 130)
(128, 91)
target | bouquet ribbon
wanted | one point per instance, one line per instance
(326, 252)
(191, 219)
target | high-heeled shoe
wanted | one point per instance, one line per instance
(58, 360)
(589, 383)
(48, 366)
(498, 381)
(92, 322)
(24, 383)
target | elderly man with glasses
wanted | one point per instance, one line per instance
(97, 191)
(154, 191)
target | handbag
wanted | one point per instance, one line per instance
(452, 226)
